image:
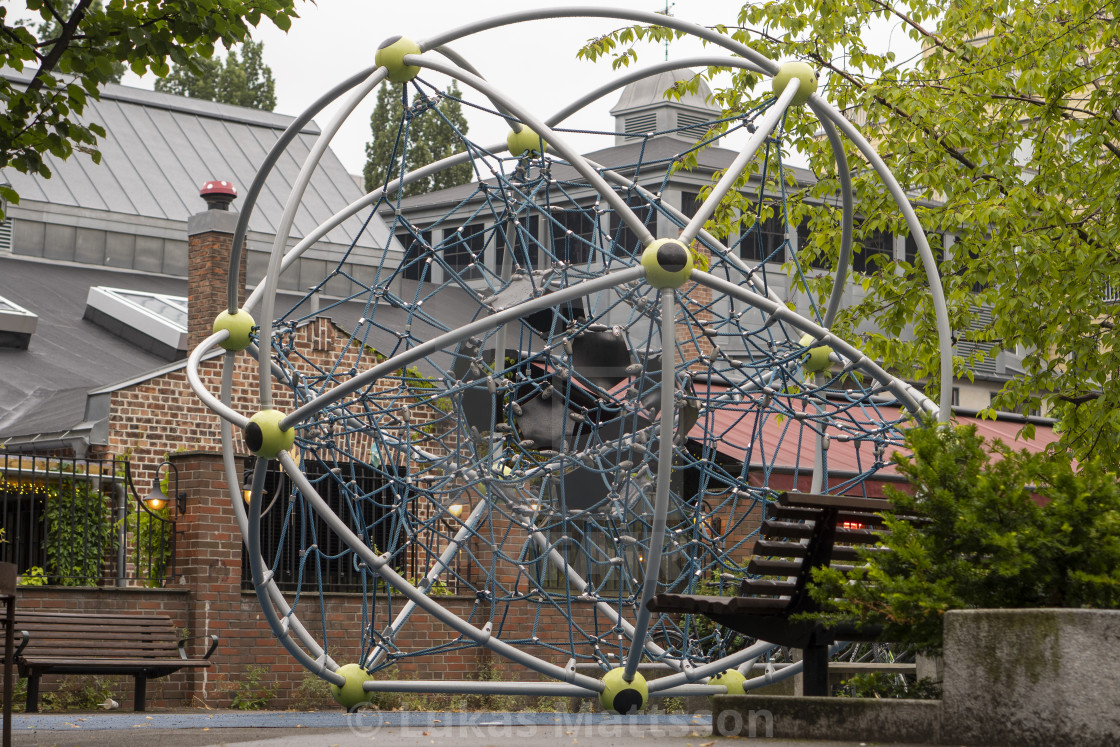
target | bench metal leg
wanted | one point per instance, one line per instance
(32, 692)
(140, 693)
(815, 674)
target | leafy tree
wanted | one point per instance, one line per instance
(1005, 130)
(52, 27)
(984, 540)
(242, 80)
(71, 50)
(422, 135)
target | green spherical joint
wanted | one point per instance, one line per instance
(804, 73)
(264, 437)
(525, 141)
(818, 359)
(621, 696)
(351, 694)
(732, 679)
(667, 262)
(390, 55)
(240, 327)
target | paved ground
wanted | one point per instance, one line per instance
(307, 729)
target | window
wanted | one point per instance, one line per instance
(155, 321)
(875, 250)
(526, 249)
(573, 235)
(764, 241)
(366, 494)
(625, 243)
(912, 249)
(416, 245)
(463, 250)
(690, 203)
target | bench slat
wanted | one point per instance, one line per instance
(801, 530)
(852, 502)
(697, 604)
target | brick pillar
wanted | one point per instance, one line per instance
(208, 563)
(209, 244)
(696, 299)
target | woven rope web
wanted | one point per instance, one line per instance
(515, 470)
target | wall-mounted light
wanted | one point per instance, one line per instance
(157, 498)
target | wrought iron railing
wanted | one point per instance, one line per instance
(79, 522)
(286, 523)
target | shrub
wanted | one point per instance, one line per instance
(1001, 529)
(80, 533)
(251, 692)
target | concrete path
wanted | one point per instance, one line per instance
(380, 729)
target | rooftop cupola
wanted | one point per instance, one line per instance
(642, 108)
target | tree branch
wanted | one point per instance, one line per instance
(65, 36)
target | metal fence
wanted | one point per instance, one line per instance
(79, 522)
(288, 526)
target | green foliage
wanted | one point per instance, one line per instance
(429, 130)
(80, 533)
(251, 693)
(985, 541)
(241, 80)
(883, 685)
(149, 533)
(71, 49)
(1004, 132)
(313, 693)
(33, 576)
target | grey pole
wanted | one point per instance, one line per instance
(746, 155)
(554, 140)
(664, 475)
(436, 344)
(941, 313)
(284, 228)
(380, 565)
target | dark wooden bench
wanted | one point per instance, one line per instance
(63, 643)
(800, 532)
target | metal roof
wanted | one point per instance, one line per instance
(159, 149)
(44, 389)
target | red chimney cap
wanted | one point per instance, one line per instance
(218, 187)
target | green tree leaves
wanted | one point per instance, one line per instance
(403, 142)
(1005, 132)
(1001, 529)
(71, 48)
(241, 80)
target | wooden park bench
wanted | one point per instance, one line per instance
(63, 643)
(802, 531)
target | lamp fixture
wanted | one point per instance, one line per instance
(157, 499)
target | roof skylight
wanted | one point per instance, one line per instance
(153, 321)
(17, 324)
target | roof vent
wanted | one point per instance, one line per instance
(218, 194)
(17, 324)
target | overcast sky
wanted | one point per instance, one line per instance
(535, 62)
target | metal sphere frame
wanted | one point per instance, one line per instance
(688, 677)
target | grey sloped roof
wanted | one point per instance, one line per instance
(43, 390)
(159, 149)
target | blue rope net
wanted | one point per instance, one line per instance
(526, 456)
